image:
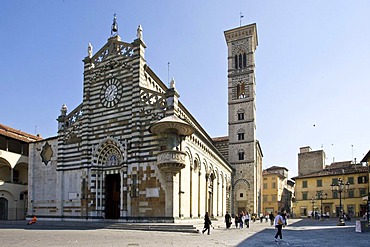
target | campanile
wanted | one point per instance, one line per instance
(244, 153)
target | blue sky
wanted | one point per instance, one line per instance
(312, 65)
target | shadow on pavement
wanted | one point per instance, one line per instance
(51, 225)
(309, 232)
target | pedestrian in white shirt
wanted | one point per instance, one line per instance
(278, 222)
(247, 218)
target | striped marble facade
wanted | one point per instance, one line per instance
(103, 162)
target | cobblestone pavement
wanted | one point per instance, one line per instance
(299, 232)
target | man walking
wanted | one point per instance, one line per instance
(271, 217)
(207, 224)
(279, 225)
(227, 220)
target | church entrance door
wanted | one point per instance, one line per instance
(112, 196)
(3, 209)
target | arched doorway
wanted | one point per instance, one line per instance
(241, 197)
(3, 208)
(112, 193)
(109, 155)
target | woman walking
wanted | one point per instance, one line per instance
(247, 218)
(279, 221)
(236, 220)
(241, 220)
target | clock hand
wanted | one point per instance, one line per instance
(109, 92)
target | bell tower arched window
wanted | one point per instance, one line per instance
(240, 90)
(240, 135)
(241, 154)
(240, 60)
(241, 114)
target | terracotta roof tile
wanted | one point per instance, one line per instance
(277, 168)
(17, 134)
(220, 139)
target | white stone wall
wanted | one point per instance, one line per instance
(42, 181)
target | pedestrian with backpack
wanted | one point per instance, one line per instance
(279, 221)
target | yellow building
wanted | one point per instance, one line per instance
(314, 191)
(277, 190)
(366, 161)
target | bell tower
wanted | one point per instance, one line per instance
(244, 151)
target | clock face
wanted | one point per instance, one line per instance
(111, 93)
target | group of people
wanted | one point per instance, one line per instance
(279, 221)
(241, 220)
(316, 215)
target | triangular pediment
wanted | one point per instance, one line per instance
(114, 47)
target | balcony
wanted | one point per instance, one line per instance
(171, 161)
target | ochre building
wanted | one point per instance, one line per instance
(314, 191)
(278, 190)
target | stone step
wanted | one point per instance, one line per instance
(169, 227)
(154, 227)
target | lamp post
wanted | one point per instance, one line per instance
(340, 187)
(321, 197)
(294, 203)
(313, 207)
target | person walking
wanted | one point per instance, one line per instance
(247, 219)
(241, 219)
(284, 215)
(271, 217)
(236, 220)
(261, 217)
(207, 224)
(254, 217)
(279, 221)
(227, 220)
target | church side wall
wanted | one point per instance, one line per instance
(206, 173)
(43, 183)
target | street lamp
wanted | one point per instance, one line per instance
(313, 207)
(340, 187)
(293, 205)
(321, 197)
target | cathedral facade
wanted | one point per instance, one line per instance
(131, 151)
